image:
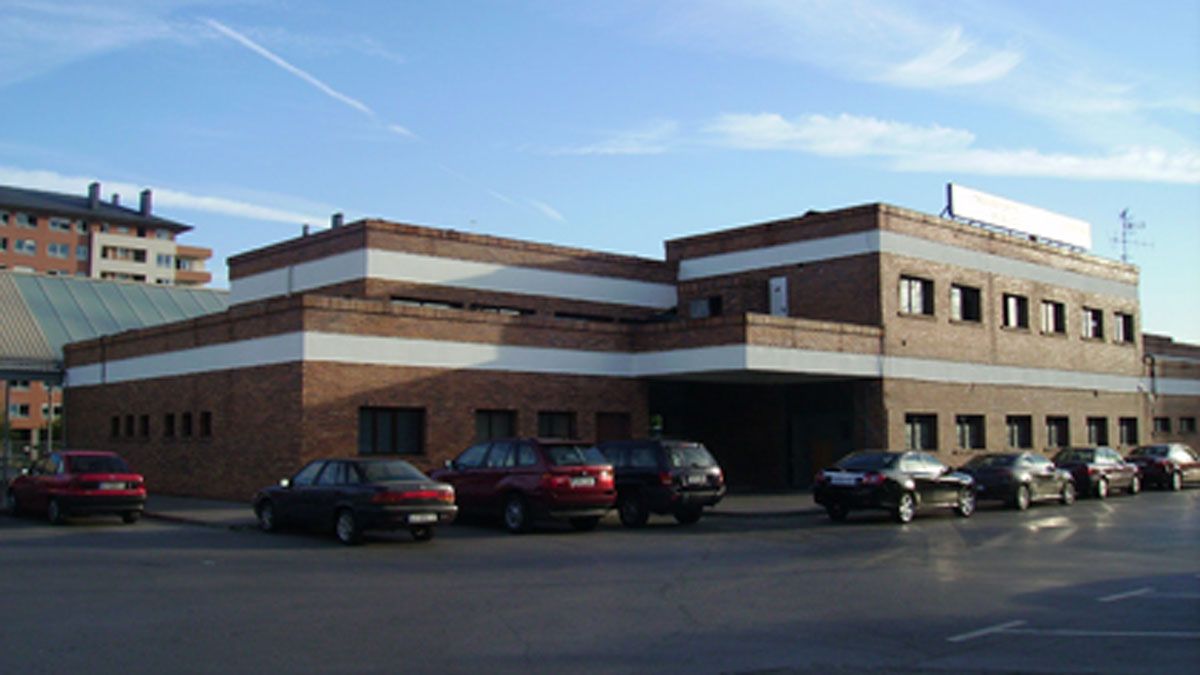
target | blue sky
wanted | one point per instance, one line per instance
(614, 125)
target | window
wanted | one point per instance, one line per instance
(27, 221)
(25, 246)
(308, 474)
(1123, 328)
(82, 252)
(144, 426)
(162, 234)
(169, 425)
(165, 260)
(1093, 324)
(491, 424)
(970, 432)
(185, 425)
(556, 424)
(965, 304)
(1054, 318)
(3, 243)
(19, 385)
(1016, 311)
(916, 296)
(391, 431)
(3, 218)
(702, 308)
(1058, 432)
(205, 424)
(81, 227)
(56, 250)
(1187, 425)
(1162, 425)
(60, 225)
(114, 426)
(1020, 431)
(1097, 431)
(472, 457)
(920, 432)
(1127, 429)
(129, 426)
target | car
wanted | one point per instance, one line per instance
(79, 483)
(673, 477)
(525, 480)
(1098, 470)
(351, 496)
(1019, 478)
(898, 482)
(1167, 465)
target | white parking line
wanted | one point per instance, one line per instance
(1127, 594)
(1068, 632)
(998, 628)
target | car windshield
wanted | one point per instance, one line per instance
(1076, 456)
(690, 456)
(1151, 451)
(867, 461)
(378, 472)
(574, 455)
(96, 464)
(987, 461)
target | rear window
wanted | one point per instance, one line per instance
(986, 461)
(694, 456)
(96, 464)
(867, 461)
(1076, 456)
(1150, 451)
(378, 472)
(574, 455)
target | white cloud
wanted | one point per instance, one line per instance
(954, 62)
(844, 135)
(547, 210)
(653, 138)
(1152, 165)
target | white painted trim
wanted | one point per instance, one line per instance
(416, 353)
(1166, 386)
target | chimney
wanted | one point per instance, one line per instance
(116, 200)
(93, 195)
(146, 202)
(337, 220)
(304, 231)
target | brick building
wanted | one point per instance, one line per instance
(781, 345)
(84, 236)
(1173, 371)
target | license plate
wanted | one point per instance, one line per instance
(583, 481)
(697, 480)
(843, 478)
(423, 518)
(112, 486)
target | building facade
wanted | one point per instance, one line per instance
(1173, 371)
(780, 345)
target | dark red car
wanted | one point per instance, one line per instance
(79, 483)
(1099, 470)
(1167, 465)
(527, 479)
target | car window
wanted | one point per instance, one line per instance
(932, 464)
(59, 467)
(96, 464)
(334, 474)
(1150, 451)
(308, 474)
(472, 457)
(526, 456)
(690, 456)
(616, 456)
(911, 463)
(45, 467)
(867, 461)
(984, 461)
(501, 456)
(574, 455)
(643, 457)
(395, 469)
(1109, 455)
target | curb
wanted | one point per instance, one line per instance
(185, 520)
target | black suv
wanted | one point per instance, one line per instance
(663, 476)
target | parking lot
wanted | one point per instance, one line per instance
(1102, 586)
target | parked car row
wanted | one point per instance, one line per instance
(904, 482)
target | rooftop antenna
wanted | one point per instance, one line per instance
(1126, 238)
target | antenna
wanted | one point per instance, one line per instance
(1126, 238)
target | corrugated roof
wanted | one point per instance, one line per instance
(73, 206)
(39, 314)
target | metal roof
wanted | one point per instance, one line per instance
(40, 313)
(73, 206)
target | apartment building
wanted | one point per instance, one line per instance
(85, 236)
(781, 345)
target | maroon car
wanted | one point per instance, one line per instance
(78, 483)
(1099, 470)
(528, 479)
(1167, 465)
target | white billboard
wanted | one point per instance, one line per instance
(979, 206)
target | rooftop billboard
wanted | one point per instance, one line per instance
(979, 206)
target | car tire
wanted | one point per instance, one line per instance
(688, 516)
(1135, 485)
(516, 514)
(906, 508)
(1022, 498)
(1101, 488)
(54, 513)
(421, 533)
(837, 512)
(1175, 482)
(267, 521)
(585, 523)
(1067, 495)
(965, 505)
(131, 517)
(345, 527)
(632, 510)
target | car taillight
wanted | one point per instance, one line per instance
(397, 497)
(820, 477)
(554, 481)
(665, 478)
(719, 475)
(873, 479)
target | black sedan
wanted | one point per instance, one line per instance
(1099, 470)
(350, 496)
(899, 482)
(1019, 478)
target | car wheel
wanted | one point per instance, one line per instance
(131, 517)
(346, 528)
(266, 517)
(1022, 498)
(906, 508)
(1135, 485)
(632, 510)
(585, 524)
(1176, 483)
(1102, 488)
(516, 514)
(966, 503)
(1067, 495)
(54, 513)
(837, 512)
(688, 516)
(422, 533)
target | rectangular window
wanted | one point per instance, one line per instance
(27, 221)
(1054, 318)
(1020, 431)
(920, 432)
(81, 227)
(185, 425)
(491, 424)
(556, 424)
(205, 424)
(25, 246)
(391, 431)
(1123, 328)
(162, 234)
(60, 225)
(1162, 425)
(702, 308)
(916, 296)
(114, 426)
(966, 304)
(1097, 431)
(1093, 324)
(1016, 311)
(1187, 425)
(129, 426)
(1058, 432)
(1127, 429)
(3, 218)
(169, 425)
(970, 432)
(165, 260)
(82, 252)
(144, 426)
(19, 385)
(57, 250)
(3, 243)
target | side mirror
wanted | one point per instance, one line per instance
(285, 482)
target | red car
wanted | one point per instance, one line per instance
(528, 479)
(1167, 465)
(77, 483)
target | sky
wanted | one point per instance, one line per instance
(615, 125)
